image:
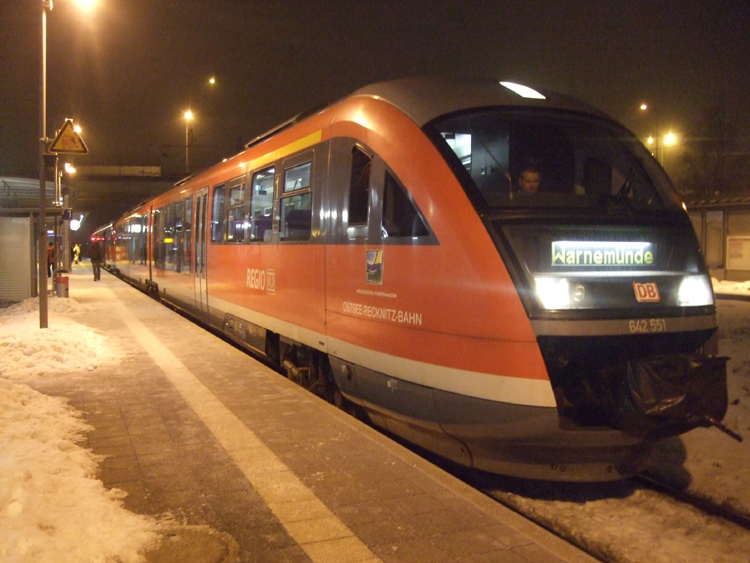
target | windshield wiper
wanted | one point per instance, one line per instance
(611, 201)
(624, 191)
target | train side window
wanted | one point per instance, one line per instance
(400, 216)
(359, 187)
(179, 234)
(187, 235)
(217, 215)
(359, 195)
(261, 205)
(159, 235)
(236, 214)
(169, 236)
(296, 203)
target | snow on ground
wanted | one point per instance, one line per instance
(66, 345)
(52, 507)
(625, 523)
(706, 462)
(741, 289)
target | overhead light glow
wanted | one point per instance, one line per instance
(523, 91)
(86, 5)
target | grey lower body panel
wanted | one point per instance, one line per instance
(504, 438)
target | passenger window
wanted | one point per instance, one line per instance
(400, 216)
(217, 215)
(159, 228)
(261, 205)
(179, 234)
(296, 204)
(237, 195)
(359, 188)
(297, 178)
(236, 214)
(188, 235)
(168, 225)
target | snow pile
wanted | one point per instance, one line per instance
(51, 506)
(27, 351)
(731, 288)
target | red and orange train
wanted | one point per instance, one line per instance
(386, 253)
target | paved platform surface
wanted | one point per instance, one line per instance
(255, 469)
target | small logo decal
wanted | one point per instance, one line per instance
(646, 292)
(261, 280)
(375, 267)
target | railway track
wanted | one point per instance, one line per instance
(631, 521)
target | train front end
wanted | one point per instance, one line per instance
(609, 270)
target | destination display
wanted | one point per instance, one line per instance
(592, 253)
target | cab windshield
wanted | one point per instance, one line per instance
(531, 160)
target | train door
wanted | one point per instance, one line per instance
(150, 245)
(199, 258)
(376, 287)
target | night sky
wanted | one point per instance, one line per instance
(127, 72)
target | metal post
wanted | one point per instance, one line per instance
(56, 220)
(67, 263)
(42, 173)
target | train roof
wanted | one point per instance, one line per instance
(427, 98)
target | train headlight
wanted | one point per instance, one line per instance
(554, 293)
(695, 291)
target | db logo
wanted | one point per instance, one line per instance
(646, 292)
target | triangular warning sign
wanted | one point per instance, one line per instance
(68, 140)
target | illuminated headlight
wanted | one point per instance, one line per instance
(554, 293)
(695, 291)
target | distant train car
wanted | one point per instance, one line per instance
(502, 276)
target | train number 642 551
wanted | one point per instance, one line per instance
(641, 326)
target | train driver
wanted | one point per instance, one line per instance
(529, 179)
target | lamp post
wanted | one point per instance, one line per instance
(42, 223)
(211, 130)
(660, 140)
(188, 117)
(42, 238)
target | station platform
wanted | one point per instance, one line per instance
(256, 469)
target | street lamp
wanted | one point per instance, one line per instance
(42, 238)
(42, 255)
(660, 140)
(188, 117)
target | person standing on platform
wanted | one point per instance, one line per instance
(95, 253)
(50, 258)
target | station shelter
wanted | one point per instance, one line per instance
(723, 229)
(19, 213)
